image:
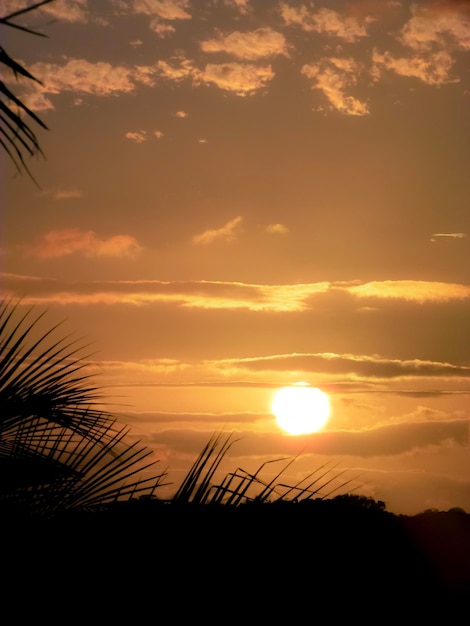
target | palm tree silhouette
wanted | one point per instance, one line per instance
(17, 137)
(58, 451)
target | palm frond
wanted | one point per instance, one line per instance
(43, 377)
(64, 471)
(241, 487)
(58, 451)
(197, 483)
(19, 140)
(6, 19)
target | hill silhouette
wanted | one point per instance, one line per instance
(343, 557)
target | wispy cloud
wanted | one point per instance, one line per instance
(210, 294)
(276, 229)
(141, 136)
(372, 442)
(433, 33)
(243, 6)
(165, 9)
(160, 12)
(190, 294)
(250, 46)
(366, 366)
(60, 243)
(411, 290)
(333, 76)
(227, 232)
(436, 236)
(177, 69)
(431, 68)
(325, 21)
(64, 10)
(82, 76)
(62, 193)
(137, 136)
(438, 24)
(241, 78)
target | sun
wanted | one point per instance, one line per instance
(301, 409)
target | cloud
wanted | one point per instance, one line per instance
(226, 233)
(63, 10)
(163, 30)
(160, 13)
(424, 414)
(158, 10)
(217, 294)
(139, 136)
(276, 229)
(325, 22)
(59, 243)
(392, 439)
(261, 43)
(436, 236)
(438, 24)
(241, 78)
(333, 76)
(430, 68)
(180, 69)
(36, 100)
(373, 442)
(79, 75)
(190, 294)
(217, 418)
(358, 365)
(65, 194)
(242, 5)
(374, 9)
(411, 290)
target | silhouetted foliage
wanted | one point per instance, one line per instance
(69, 482)
(57, 450)
(17, 137)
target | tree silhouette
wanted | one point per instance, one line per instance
(58, 451)
(17, 137)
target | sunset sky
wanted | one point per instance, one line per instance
(238, 195)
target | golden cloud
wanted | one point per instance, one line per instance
(332, 77)
(261, 43)
(411, 290)
(60, 243)
(241, 78)
(431, 68)
(226, 233)
(325, 21)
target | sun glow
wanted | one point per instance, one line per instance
(301, 409)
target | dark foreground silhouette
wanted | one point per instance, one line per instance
(192, 559)
(344, 558)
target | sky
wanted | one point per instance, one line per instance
(238, 195)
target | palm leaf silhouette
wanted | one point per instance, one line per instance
(17, 137)
(57, 450)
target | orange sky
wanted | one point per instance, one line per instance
(238, 195)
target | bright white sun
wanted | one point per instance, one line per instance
(301, 409)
